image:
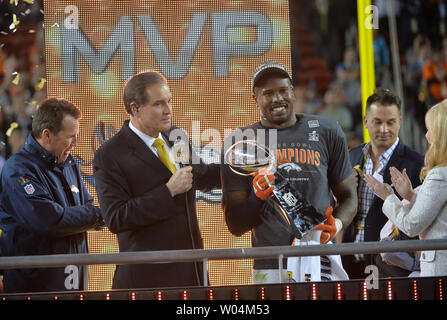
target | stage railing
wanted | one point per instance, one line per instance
(171, 256)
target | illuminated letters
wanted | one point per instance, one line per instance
(74, 44)
(223, 51)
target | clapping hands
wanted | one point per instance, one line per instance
(400, 181)
(382, 190)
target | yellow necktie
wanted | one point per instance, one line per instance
(163, 155)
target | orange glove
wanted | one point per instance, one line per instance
(262, 184)
(330, 227)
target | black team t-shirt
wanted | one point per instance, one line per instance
(313, 156)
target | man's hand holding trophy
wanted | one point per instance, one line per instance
(248, 157)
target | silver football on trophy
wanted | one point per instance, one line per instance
(248, 156)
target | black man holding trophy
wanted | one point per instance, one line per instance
(306, 197)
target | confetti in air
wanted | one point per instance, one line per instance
(39, 86)
(15, 22)
(16, 78)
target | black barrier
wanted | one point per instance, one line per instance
(421, 288)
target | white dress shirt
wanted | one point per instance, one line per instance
(148, 140)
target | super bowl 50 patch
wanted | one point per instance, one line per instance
(23, 180)
(314, 136)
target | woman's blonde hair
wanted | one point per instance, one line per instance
(436, 155)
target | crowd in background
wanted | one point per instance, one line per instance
(332, 27)
(422, 37)
(22, 72)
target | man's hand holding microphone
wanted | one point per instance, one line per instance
(181, 181)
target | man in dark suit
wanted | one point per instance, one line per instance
(384, 151)
(146, 197)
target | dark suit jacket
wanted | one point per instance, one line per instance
(402, 157)
(137, 205)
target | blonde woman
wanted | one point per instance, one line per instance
(426, 214)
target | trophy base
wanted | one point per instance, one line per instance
(296, 212)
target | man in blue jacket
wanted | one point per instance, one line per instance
(45, 207)
(385, 150)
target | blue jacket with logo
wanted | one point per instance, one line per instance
(45, 209)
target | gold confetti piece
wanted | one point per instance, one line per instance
(11, 128)
(31, 31)
(16, 2)
(14, 19)
(29, 1)
(39, 86)
(16, 79)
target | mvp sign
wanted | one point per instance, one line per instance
(75, 43)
